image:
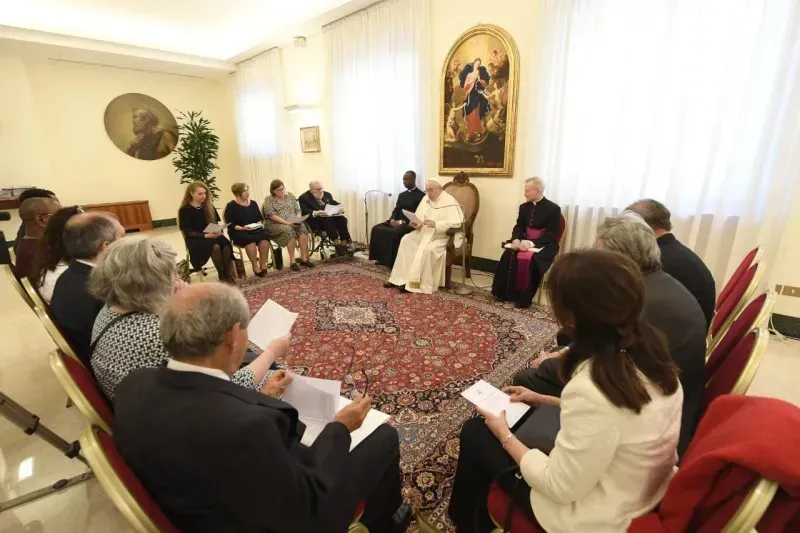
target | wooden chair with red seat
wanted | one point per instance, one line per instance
(754, 315)
(467, 195)
(752, 257)
(8, 269)
(82, 389)
(741, 292)
(736, 371)
(562, 229)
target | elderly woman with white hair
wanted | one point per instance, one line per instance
(313, 203)
(135, 278)
(531, 249)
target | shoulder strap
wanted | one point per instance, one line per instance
(107, 327)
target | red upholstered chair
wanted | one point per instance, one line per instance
(736, 371)
(121, 484)
(738, 297)
(82, 389)
(752, 257)
(754, 315)
(562, 228)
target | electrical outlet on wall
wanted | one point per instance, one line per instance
(787, 290)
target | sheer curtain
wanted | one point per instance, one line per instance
(377, 68)
(261, 123)
(695, 103)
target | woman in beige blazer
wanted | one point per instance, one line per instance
(620, 414)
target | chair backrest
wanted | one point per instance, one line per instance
(33, 294)
(736, 371)
(738, 297)
(562, 228)
(467, 195)
(121, 484)
(753, 256)
(17, 285)
(754, 315)
(82, 389)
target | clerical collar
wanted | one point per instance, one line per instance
(412, 190)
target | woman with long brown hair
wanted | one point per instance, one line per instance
(52, 258)
(195, 214)
(620, 413)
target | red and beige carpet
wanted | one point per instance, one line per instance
(419, 352)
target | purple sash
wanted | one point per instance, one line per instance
(524, 260)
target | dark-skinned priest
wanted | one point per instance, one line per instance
(385, 237)
(532, 247)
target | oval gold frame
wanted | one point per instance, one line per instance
(511, 109)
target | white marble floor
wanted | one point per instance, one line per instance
(27, 463)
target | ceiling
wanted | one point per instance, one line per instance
(213, 32)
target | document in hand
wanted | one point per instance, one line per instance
(332, 210)
(495, 401)
(271, 321)
(412, 217)
(296, 219)
(254, 226)
(512, 247)
(213, 228)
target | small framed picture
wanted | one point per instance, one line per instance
(309, 139)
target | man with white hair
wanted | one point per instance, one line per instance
(420, 263)
(532, 248)
(312, 203)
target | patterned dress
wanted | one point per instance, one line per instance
(135, 342)
(289, 207)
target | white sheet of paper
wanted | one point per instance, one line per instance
(254, 225)
(493, 400)
(314, 398)
(372, 422)
(412, 217)
(331, 209)
(511, 247)
(271, 321)
(296, 219)
(213, 228)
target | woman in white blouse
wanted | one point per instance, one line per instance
(51, 256)
(620, 414)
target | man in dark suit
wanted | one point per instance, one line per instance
(73, 308)
(35, 213)
(677, 260)
(668, 307)
(312, 203)
(385, 237)
(218, 457)
(27, 194)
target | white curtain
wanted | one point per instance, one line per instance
(695, 103)
(261, 123)
(378, 87)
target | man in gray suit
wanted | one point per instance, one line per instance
(669, 306)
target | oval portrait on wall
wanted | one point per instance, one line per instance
(141, 126)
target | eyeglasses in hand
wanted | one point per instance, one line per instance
(355, 381)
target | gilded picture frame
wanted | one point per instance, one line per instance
(309, 140)
(479, 89)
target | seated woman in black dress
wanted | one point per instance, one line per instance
(521, 268)
(620, 414)
(195, 214)
(240, 212)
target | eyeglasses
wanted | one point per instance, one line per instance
(355, 381)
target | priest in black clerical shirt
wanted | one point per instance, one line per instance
(385, 237)
(533, 246)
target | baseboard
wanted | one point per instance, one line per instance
(484, 265)
(165, 222)
(786, 325)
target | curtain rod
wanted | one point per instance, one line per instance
(255, 56)
(328, 25)
(125, 68)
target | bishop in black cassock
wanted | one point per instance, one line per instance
(385, 237)
(519, 273)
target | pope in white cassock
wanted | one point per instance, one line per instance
(420, 264)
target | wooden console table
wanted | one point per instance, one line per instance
(134, 216)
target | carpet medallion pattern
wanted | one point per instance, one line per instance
(419, 352)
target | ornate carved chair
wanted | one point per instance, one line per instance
(467, 195)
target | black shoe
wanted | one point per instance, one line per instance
(402, 518)
(262, 273)
(295, 267)
(341, 250)
(307, 264)
(389, 285)
(520, 305)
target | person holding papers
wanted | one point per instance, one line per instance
(385, 237)
(218, 457)
(246, 228)
(326, 214)
(532, 247)
(196, 217)
(285, 224)
(620, 414)
(420, 264)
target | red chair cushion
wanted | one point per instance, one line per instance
(498, 507)
(736, 294)
(562, 226)
(740, 327)
(746, 263)
(88, 386)
(730, 369)
(359, 510)
(133, 485)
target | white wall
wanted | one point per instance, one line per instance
(52, 133)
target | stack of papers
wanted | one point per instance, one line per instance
(333, 210)
(254, 226)
(492, 400)
(317, 401)
(213, 228)
(296, 219)
(512, 247)
(412, 217)
(271, 321)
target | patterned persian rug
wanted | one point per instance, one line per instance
(419, 352)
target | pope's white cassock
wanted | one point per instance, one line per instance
(420, 263)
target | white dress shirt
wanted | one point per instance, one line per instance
(49, 283)
(180, 366)
(609, 465)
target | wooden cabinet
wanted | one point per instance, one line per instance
(134, 216)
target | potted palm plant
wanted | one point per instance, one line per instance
(196, 154)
